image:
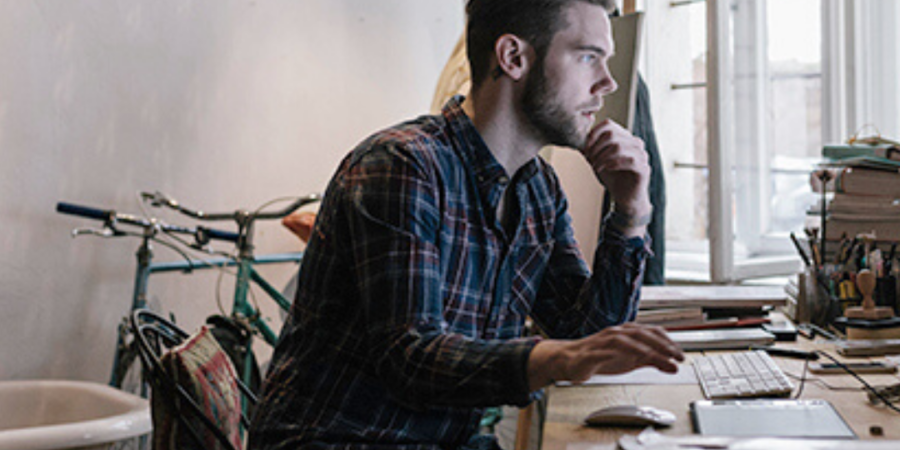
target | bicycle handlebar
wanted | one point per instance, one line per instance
(159, 199)
(84, 211)
(213, 233)
(110, 217)
(106, 215)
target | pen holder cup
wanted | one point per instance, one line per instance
(886, 293)
(815, 304)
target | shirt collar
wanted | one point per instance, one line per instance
(487, 171)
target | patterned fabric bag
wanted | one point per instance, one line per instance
(203, 370)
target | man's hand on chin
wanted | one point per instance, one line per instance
(620, 162)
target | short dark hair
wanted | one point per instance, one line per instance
(535, 21)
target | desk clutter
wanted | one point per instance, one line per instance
(850, 283)
(694, 317)
(751, 373)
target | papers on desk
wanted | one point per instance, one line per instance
(644, 375)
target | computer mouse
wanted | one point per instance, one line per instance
(630, 415)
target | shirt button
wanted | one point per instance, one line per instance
(503, 179)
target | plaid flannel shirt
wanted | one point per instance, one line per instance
(413, 295)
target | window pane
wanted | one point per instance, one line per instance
(795, 77)
(777, 123)
(675, 73)
(674, 67)
(794, 109)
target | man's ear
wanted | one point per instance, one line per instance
(513, 57)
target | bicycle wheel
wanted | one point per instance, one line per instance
(237, 341)
(129, 378)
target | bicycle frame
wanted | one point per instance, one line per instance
(245, 262)
(246, 274)
(244, 312)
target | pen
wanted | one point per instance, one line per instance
(786, 352)
(825, 176)
(838, 255)
(820, 331)
(800, 249)
(889, 262)
(847, 253)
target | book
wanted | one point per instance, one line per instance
(739, 312)
(697, 318)
(712, 296)
(873, 347)
(712, 324)
(845, 151)
(862, 182)
(668, 314)
(856, 204)
(870, 162)
(882, 228)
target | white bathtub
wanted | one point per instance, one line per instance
(43, 415)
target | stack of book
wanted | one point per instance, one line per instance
(670, 318)
(864, 189)
(677, 308)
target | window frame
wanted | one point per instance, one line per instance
(854, 96)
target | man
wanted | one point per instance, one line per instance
(437, 237)
(455, 79)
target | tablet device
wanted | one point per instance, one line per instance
(769, 418)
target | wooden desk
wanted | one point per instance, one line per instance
(568, 406)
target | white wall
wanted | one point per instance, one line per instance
(221, 104)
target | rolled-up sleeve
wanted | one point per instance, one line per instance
(573, 301)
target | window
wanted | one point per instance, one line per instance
(744, 93)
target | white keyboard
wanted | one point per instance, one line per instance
(741, 374)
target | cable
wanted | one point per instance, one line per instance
(219, 294)
(869, 387)
(272, 202)
(253, 300)
(143, 207)
(802, 379)
(825, 384)
(175, 248)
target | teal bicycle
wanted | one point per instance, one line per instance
(245, 319)
(235, 329)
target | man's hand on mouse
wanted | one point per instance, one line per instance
(614, 350)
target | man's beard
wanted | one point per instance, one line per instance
(546, 114)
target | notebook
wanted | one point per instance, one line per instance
(769, 417)
(721, 339)
(868, 347)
